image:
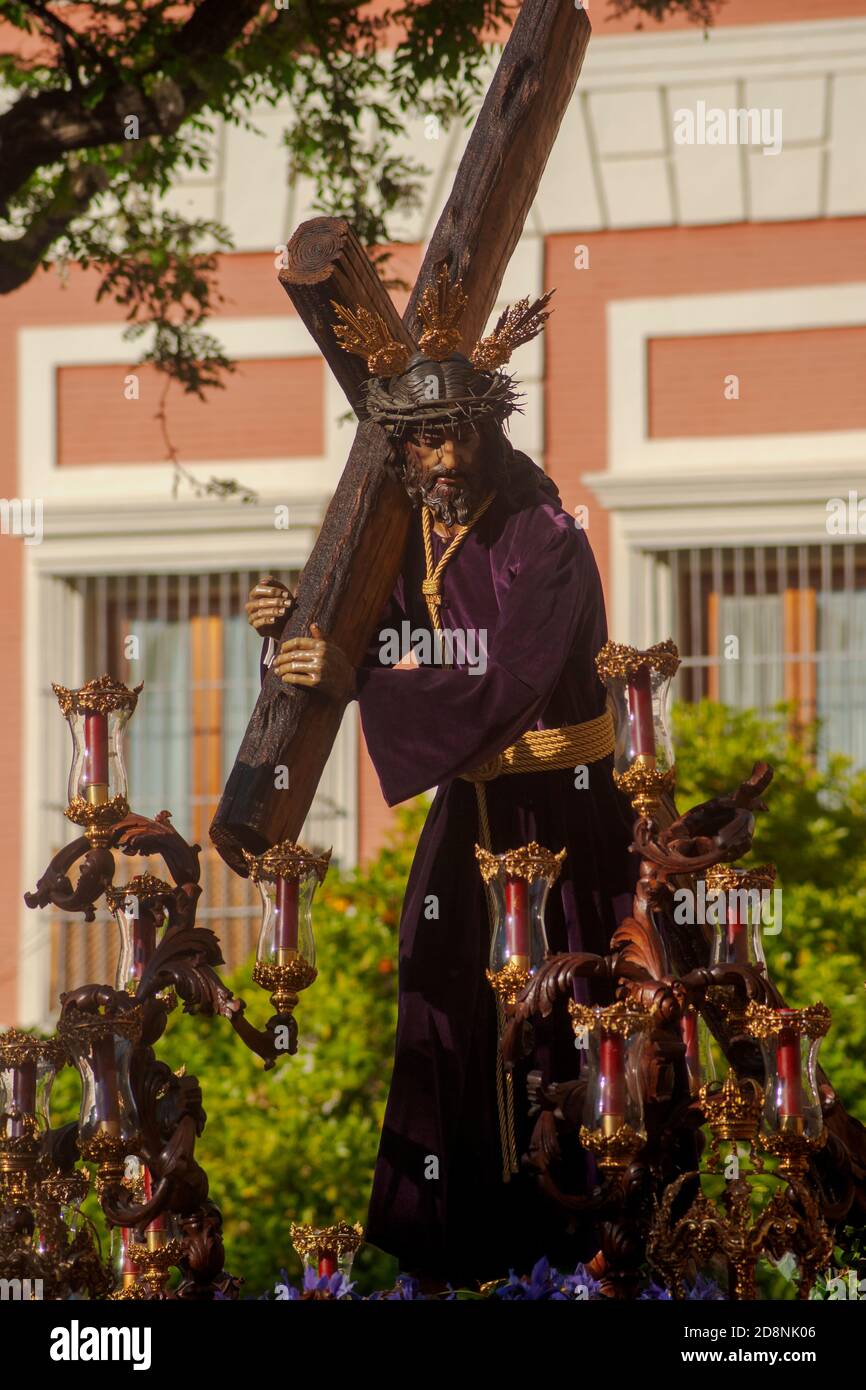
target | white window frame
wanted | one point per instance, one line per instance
(121, 519)
(55, 620)
(759, 489)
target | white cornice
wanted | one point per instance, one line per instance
(201, 516)
(174, 537)
(728, 488)
(735, 51)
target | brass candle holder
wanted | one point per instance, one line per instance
(613, 1123)
(287, 876)
(518, 883)
(27, 1068)
(793, 1116)
(638, 686)
(101, 1039)
(733, 1112)
(97, 715)
(153, 1261)
(328, 1249)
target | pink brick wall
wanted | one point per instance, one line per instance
(787, 382)
(267, 409)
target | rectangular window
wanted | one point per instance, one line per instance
(756, 625)
(186, 637)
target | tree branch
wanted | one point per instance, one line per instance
(20, 257)
(66, 38)
(40, 130)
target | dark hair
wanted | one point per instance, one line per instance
(513, 474)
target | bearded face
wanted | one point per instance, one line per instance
(446, 470)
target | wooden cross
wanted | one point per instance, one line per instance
(357, 557)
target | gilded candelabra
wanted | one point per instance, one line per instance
(138, 1121)
(698, 1039)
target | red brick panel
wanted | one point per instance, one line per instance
(269, 409)
(729, 13)
(787, 382)
(726, 14)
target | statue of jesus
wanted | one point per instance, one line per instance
(488, 639)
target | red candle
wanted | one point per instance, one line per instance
(286, 929)
(107, 1098)
(612, 1065)
(23, 1095)
(788, 1068)
(737, 932)
(640, 704)
(95, 750)
(158, 1223)
(517, 917)
(143, 942)
(327, 1264)
(689, 1032)
(127, 1268)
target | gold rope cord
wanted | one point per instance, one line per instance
(432, 591)
(432, 585)
(543, 750)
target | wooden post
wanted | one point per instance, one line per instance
(327, 264)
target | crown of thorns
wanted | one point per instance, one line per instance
(434, 385)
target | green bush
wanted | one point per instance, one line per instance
(815, 833)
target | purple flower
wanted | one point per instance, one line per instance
(578, 1281)
(335, 1284)
(705, 1289)
(282, 1292)
(654, 1291)
(405, 1290)
(547, 1283)
(702, 1288)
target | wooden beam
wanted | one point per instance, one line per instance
(326, 263)
(505, 158)
(344, 587)
(356, 559)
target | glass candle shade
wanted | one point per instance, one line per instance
(735, 908)
(140, 911)
(714, 1061)
(58, 1215)
(790, 1040)
(518, 882)
(612, 1040)
(128, 1243)
(638, 686)
(122, 1237)
(287, 877)
(101, 1043)
(97, 715)
(142, 1256)
(691, 1036)
(28, 1066)
(328, 1250)
(64, 1193)
(122, 1268)
(638, 683)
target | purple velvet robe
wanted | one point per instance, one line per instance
(525, 574)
